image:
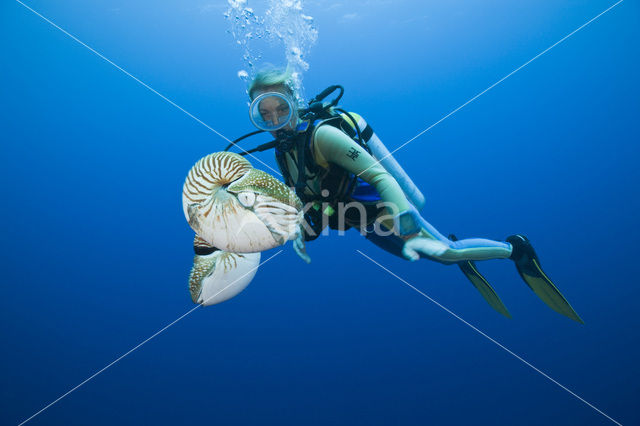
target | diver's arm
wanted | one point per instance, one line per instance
(333, 146)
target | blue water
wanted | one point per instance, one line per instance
(96, 251)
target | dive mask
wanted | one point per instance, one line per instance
(271, 111)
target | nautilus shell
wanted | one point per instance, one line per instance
(237, 208)
(221, 275)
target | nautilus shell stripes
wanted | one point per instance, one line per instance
(237, 208)
(220, 275)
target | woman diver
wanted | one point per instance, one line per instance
(327, 157)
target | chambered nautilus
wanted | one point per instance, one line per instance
(220, 275)
(237, 208)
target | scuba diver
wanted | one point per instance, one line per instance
(346, 178)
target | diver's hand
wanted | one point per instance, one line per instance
(299, 246)
(416, 246)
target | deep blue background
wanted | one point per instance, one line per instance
(96, 251)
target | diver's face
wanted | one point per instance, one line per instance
(274, 109)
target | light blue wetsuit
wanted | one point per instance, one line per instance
(456, 251)
(331, 146)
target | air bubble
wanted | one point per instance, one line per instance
(243, 75)
(284, 22)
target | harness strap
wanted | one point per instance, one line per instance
(340, 182)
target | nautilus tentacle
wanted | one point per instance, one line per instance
(221, 275)
(238, 208)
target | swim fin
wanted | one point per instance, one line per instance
(528, 266)
(468, 268)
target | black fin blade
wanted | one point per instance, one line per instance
(469, 269)
(543, 287)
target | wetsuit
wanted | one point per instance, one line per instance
(330, 147)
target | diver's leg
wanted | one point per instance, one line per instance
(432, 244)
(425, 241)
(517, 248)
(386, 240)
(435, 246)
(461, 250)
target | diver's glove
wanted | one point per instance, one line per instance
(299, 246)
(407, 223)
(418, 245)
